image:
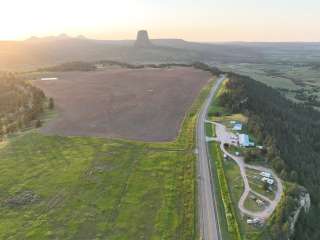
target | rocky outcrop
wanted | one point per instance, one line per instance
(304, 204)
(143, 40)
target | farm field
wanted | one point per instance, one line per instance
(57, 187)
(142, 104)
(286, 74)
(299, 82)
(264, 73)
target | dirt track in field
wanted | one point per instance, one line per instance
(143, 104)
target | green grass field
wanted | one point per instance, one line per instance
(234, 179)
(94, 188)
(91, 188)
(210, 130)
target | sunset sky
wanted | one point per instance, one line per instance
(197, 20)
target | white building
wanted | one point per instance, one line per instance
(244, 140)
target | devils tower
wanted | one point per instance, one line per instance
(143, 40)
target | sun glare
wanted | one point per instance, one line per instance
(206, 20)
(20, 19)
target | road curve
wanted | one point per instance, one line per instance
(223, 136)
(208, 222)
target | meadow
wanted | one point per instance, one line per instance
(89, 188)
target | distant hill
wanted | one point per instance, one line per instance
(41, 52)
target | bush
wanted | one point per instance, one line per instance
(38, 123)
(51, 103)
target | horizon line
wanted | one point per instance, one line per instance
(67, 37)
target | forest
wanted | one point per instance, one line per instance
(20, 103)
(291, 132)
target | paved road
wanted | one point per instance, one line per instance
(208, 222)
(224, 136)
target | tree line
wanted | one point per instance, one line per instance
(92, 66)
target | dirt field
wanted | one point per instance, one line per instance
(144, 104)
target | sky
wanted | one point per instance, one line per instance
(197, 20)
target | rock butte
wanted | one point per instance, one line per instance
(143, 40)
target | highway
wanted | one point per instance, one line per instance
(208, 222)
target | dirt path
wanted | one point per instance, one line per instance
(224, 136)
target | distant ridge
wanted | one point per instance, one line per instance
(61, 36)
(37, 52)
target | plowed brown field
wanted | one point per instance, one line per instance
(144, 104)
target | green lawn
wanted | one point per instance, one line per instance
(251, 204)
(210, 130)
(234, 179)
(94, 188)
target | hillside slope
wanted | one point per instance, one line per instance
(20, 103)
